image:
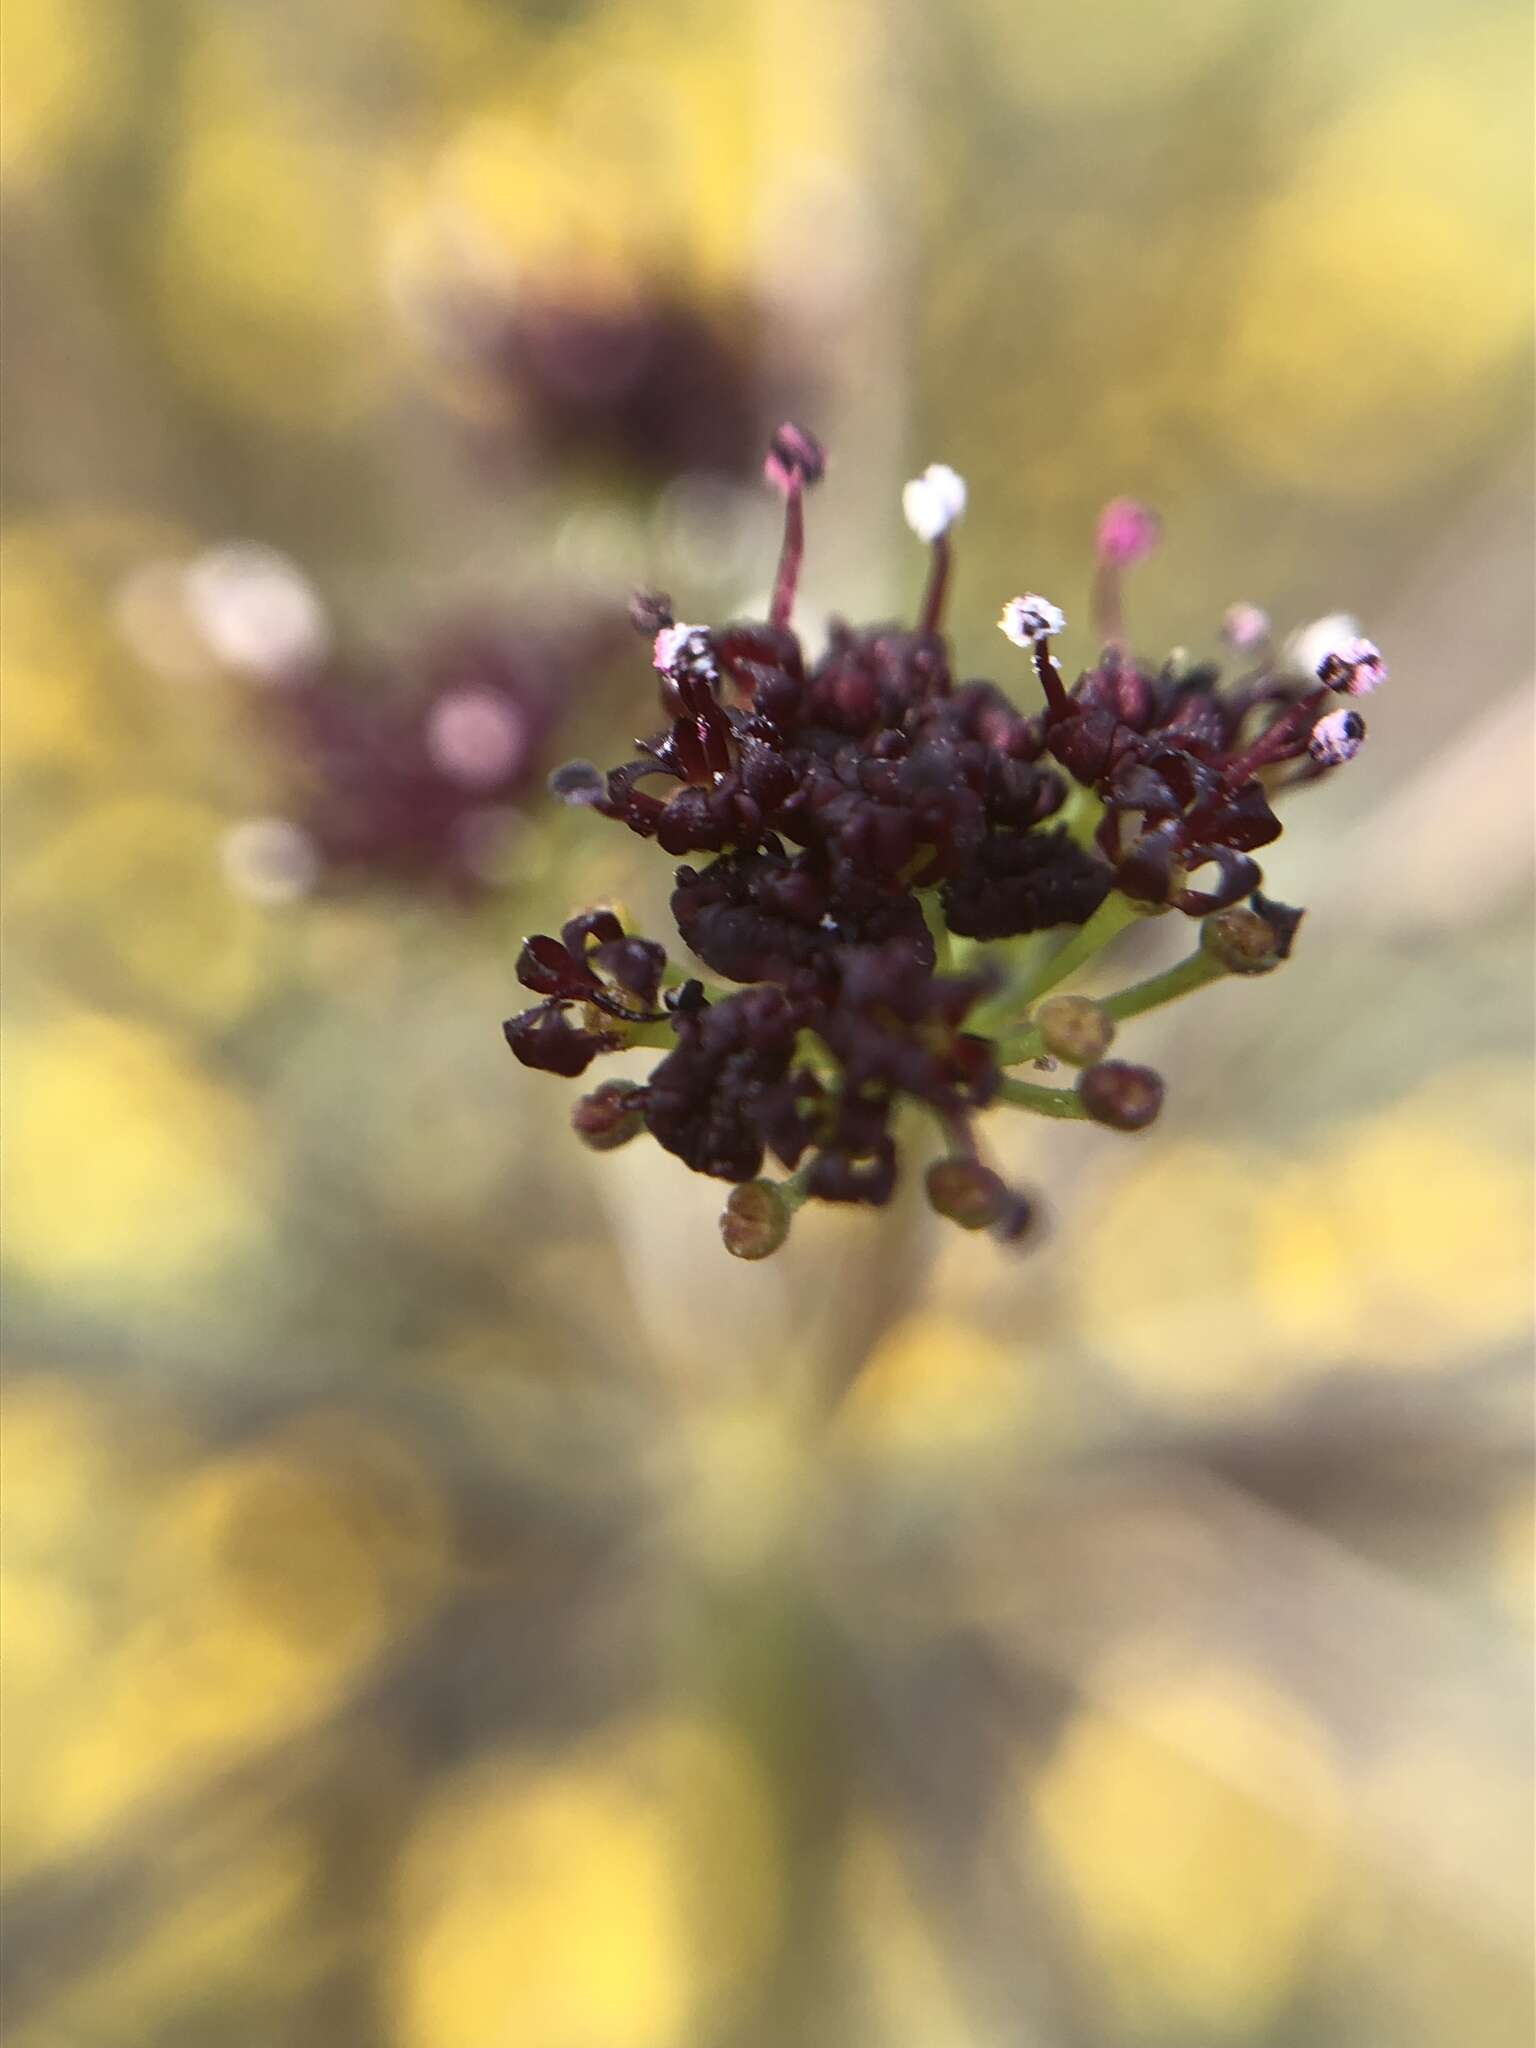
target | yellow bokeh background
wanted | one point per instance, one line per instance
(447, 1604)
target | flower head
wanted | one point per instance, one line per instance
(842, 820)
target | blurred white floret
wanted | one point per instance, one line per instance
(1245, 626)
(476, 737)
(269, 860)
(256, 610)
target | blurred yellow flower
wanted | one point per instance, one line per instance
(1439, 1223)
(1401, 1242)
(128, 1174)
(129, 897)
(1162, 1283)
(609, 1896)
(266, 301)
(1377, 304)
(935, 1388)
(1192, 1818)
(63, 720)
(62, 68)
(249, 1599)
(891, 1938)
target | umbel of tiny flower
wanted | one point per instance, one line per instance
(887, 874)
(395, 770)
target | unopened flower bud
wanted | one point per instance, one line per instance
(1337, 738)
(1029, 618)
(965, 1191)
(755, 1220)
(578, 782)
(1245, 940)
(1128, 532)
(609, 1116)
(1075, 1028)
(1126, 1098)
(932, 502)
(794, 456)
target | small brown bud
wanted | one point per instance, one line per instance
(755, 1220)
(650, 612)
(794, 457)
(609, 1116)
(1126, 1098)
(965, 1191)
(1250, 939)
(1075, 1028)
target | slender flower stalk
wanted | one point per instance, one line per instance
(1113, 916)
(1059, 1102)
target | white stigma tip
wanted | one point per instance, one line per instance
(256, 611)
(672, 646)
(1028, 619)
(932, 502)
(1354, 666)
(1337, 738)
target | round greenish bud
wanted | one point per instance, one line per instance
(755, 1220)
(1126, 1098)
(965, 1191)
(1075, 1028)
(609, 1116)
(1244, 942)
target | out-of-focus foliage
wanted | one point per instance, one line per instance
(446, 1602)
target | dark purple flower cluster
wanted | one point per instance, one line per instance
(867, 819)
(649, 380)
(405, 770)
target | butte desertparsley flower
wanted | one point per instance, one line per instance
(886, 870)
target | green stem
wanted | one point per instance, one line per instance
(662, 1034)
(1106, 923)
(933, 916)
(1198, 971)
(1081, 815)
(1063, 1102)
